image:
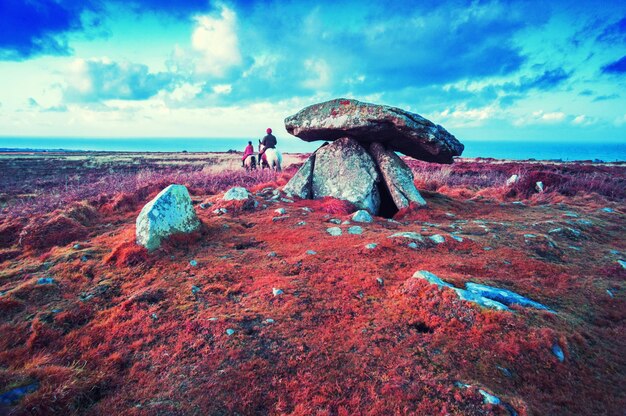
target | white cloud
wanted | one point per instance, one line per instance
(540, 117)
(584, 120)
(223, 89)
(215, 38)
(319, 72)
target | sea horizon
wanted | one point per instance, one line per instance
(607, 151)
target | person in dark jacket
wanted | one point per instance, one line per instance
(269, 141)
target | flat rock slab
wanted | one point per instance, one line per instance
(170, 212)
(400, 130)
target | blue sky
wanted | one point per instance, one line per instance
(505, 70)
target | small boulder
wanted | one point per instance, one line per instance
(512, 180)
(409, 235)
(539, 186)
(437, 239)
(355, 229)
(334, 231)
(362, 216)
(371, 246)
(170, 212)
(236, 194)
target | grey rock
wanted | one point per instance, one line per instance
(346, 222)
(457, 238)
(220, 211)
(281, 218)
(277, 292)
(193, 263)
(230, 331)
(301, 183)
(335, 221)
(46, 281)
(480, 300)
(437, 238)
(489, 398)
(236, 194)
(607, 209)
(397, 129)
(397, 176)
(380, 281)
(512, 180)
(344, 170)
(286, 200)
(412, 245)
(431, 278)
(280, 211)
(371, 246)
(271, 254)
(355, 229)
(622, 263)
(408, 234)
(539, 186)
(195, 289)
(170, 212)
(558, 352)
(504, 296)
(334, 231)
(311, 252)
(301, 223)
(362, 216)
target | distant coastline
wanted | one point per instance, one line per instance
(513, 150)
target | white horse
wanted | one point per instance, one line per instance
(273, 156)
(250, 162)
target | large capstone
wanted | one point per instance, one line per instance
(344, 170)
(397, 177)
(399, 130)
(170, 212)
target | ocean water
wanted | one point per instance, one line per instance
(517, 150)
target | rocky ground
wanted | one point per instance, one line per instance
(285, 306)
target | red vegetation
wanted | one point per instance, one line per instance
(124, 331)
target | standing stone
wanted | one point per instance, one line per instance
(344, 170)
(170, 212)
(300, 184)
(399, 130)
(397, 176)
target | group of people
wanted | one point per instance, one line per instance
(268, 142)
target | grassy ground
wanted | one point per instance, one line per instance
(121, 331)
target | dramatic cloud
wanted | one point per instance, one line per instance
(101, 79)
(215, 38)
(38, 27)
(617, 67)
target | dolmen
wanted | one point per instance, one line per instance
(361, 164)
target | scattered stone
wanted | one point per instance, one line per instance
(507, 373)
(230, 331)
(335, 221)
(76, 246)
(306, 209)
(346, 222)
(12, 396)
(622, 263)
(344, 170)
(236, 194)
(571, 214)
(300, 223)
(408, 234)
(518, 203)
(195, 289)
(615, 252)
(271, 254)
(280, 211)
(398, 177)
(311, 252)
(220, 211)
(154, 316)
(225, 226)
(206, 205)
(397, 129)
(437, 239)
(530, 236)
(371, 246)
(504, 296)
(512, 180)
(286, 200)
(558, 352)
(584, 222)
(488, 248)
(362, 216)
(355, 229)
(380, 281)
(334, 231)
(170, 212)
(193, 263)
(412, 245)
(489, 398)
(84, 258)
(480, 300)
(457, 238)
(46, 281)
(277, 292)
(431, 278)
(269, 321)
(609, 210)
(213, 319)
(608, 291)
(539, 186)
(281, 218)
